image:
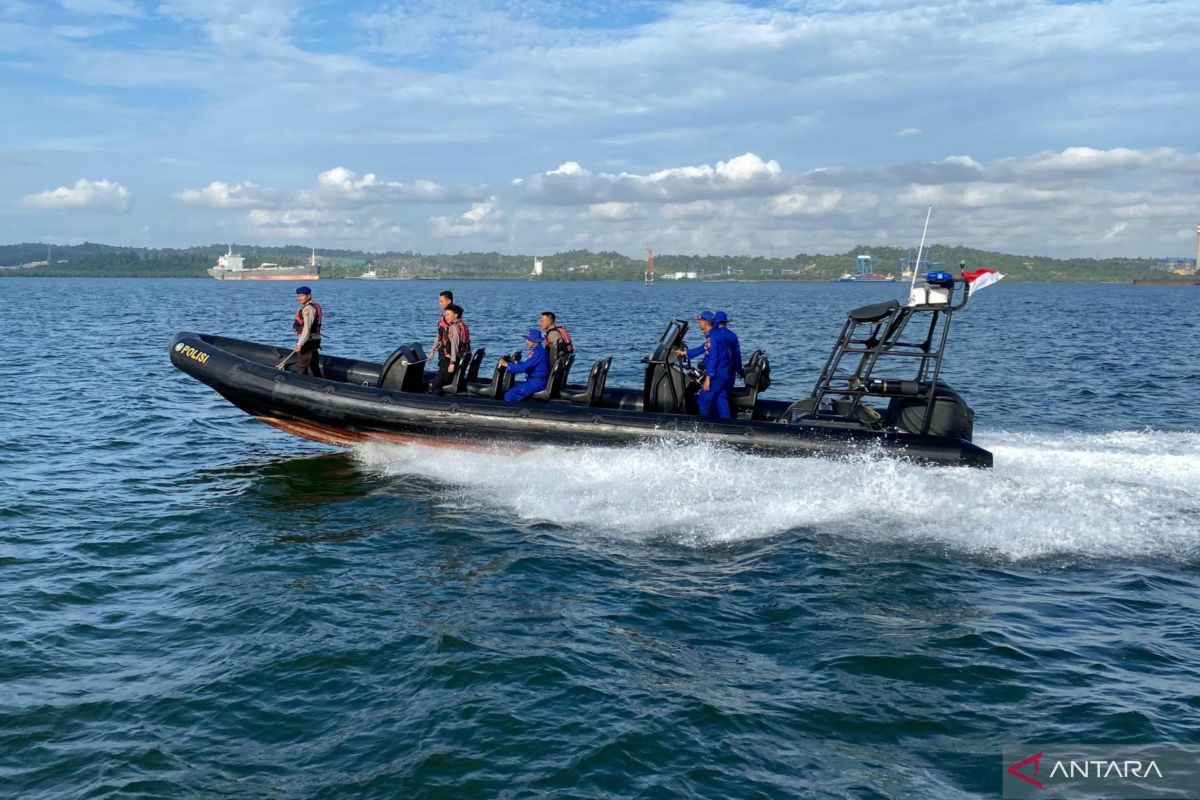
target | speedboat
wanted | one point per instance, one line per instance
(856, 406)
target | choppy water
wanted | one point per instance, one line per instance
(195, 605)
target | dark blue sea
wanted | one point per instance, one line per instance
(194, 605)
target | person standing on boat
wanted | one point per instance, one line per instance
(307, 327)
(558, 340)
(721, 323)
(713, 398)
(444, 300)
(705, 323)
(535, 368)
(453, 340)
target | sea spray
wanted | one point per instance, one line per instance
(1090, 495)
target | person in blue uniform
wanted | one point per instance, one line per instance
(721, 323)
(535, 368)
(713, 398)
(705, 320)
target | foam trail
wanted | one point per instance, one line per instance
(1116, 494)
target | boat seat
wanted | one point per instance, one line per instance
(558, 378)
(874, 312)
(595, 386)
(758, 378)
(473, 368)
(465, 373)
(500, 383)
(458, 383)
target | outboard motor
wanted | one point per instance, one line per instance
(404, 370)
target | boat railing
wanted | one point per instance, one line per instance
(872, 334)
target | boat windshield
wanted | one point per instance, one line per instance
(670, 341)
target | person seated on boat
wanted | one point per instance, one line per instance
(713, 398)
(535, 368)
(558, 340)
(445, 298)
(452, 341)
(307, 327)
(721, 323)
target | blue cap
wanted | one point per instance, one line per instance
(303, 290)
(705, 315)
(534, 335)
(720, 317)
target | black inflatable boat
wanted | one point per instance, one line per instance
(850, 410)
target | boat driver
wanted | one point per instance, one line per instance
(535, 368)
(713, 398)
(307, 327)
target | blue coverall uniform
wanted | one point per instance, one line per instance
(718, 366)
(735, 349)
(535, 368)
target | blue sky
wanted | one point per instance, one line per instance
(538, 126)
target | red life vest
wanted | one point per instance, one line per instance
(566, 345)
(464, 337)
(298, 322)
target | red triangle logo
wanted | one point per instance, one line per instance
(1015, 770)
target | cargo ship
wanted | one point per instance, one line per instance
(231, 267)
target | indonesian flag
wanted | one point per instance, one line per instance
(980, 279)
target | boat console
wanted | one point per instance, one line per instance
(670, 385)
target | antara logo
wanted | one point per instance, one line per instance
(1105, 769)
(1027, 769)
(1015, 770)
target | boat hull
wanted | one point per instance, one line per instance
(346, 408)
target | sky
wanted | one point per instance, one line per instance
(538, 126)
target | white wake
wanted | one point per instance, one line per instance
(1117, 494)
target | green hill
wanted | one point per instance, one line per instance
(99, 260)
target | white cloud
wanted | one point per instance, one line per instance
(109, 8)
(483, 219)
(613, 212)
(695, 210)
(336, 188)
(571, 184)
(1115, 231)
(294, 217)
(908, 133)
(220, 194)
(1090, 160)
(85, 195)
(805, 204)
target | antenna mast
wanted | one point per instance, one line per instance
(920, 250)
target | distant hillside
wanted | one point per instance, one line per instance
(99, 260)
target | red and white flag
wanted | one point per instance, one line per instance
(982, 278)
